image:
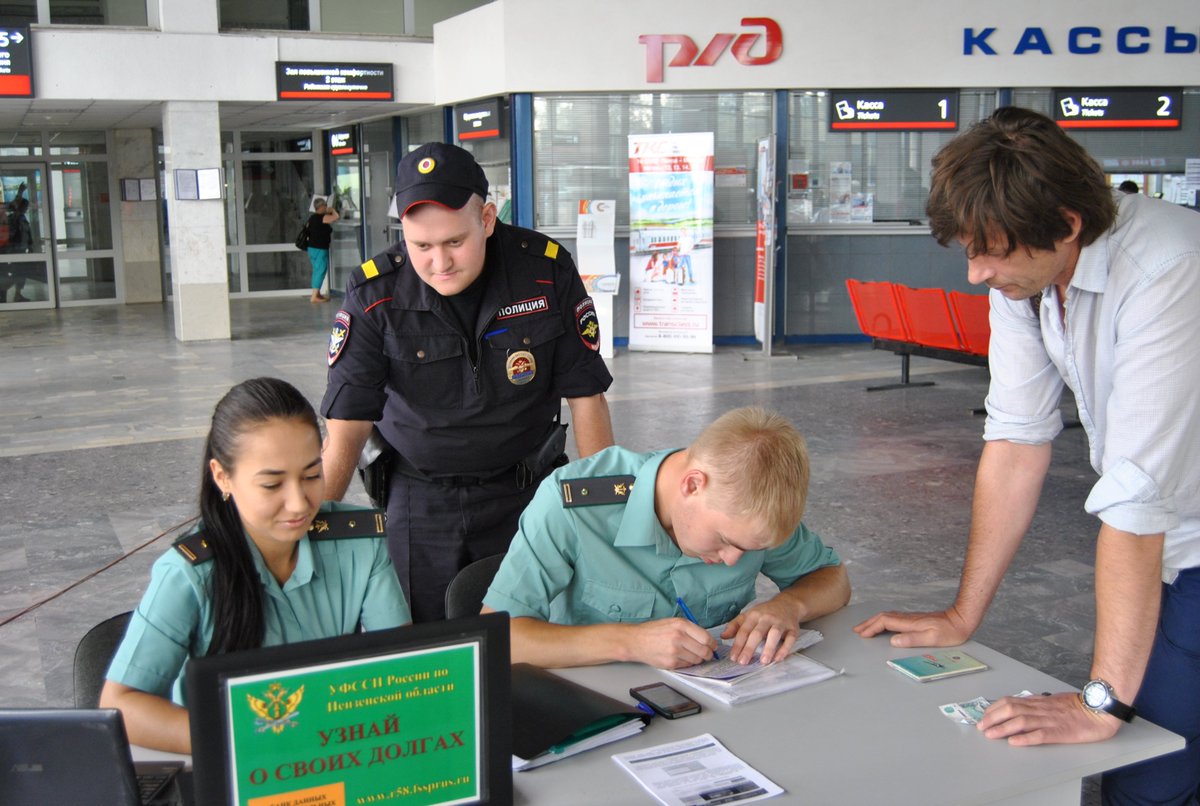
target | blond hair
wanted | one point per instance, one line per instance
(757, 464)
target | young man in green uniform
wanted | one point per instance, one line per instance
(618, 553)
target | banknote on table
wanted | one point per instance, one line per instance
(971, 711)
(968, 713)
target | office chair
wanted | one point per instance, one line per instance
(92, 656)
(464, 595)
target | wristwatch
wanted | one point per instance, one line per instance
(1098, 695)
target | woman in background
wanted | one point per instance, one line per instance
(320, 236)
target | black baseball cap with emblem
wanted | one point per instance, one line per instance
(438, 173)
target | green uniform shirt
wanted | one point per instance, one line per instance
(336, 586)
(614, 562)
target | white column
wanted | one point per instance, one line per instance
(192, 139)
(141, 258)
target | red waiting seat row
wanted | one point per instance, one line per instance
(922, 321)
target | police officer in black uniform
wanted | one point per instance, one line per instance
(459, 344)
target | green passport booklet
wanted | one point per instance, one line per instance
(936, 664)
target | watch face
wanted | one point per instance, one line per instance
(1095, 694)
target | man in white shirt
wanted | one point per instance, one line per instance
(1099, 292)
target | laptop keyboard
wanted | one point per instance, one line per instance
(154, 784)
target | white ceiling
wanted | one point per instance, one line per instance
(280, 115)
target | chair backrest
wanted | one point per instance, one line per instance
(877, 310)
(971, 311)
(927, 314)
(92, 656)
(464, 595)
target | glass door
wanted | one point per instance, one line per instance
(26, 240)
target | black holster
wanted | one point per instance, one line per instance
(375, 468)
(550, 454)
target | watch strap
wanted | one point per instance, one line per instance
(1119, 709)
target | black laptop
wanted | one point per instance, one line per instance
(77, 756)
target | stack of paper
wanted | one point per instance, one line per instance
(732, 683)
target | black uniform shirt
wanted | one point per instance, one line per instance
(397, 358)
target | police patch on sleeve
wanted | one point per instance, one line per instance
(339, 335)
(588, 323)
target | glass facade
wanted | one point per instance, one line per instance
(581, 147)
(272, 176)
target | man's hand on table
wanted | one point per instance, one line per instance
(1053, 719)
(940, 628)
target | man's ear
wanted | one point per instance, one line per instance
(1075, 222)
(489, 216)
(693, 482)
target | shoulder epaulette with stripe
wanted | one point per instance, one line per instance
(342, 524)
(337, 525)
(597, 490)
(378, 266)
(194, 548)
(535, 243)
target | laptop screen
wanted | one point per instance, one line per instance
(417, 714)
(51, 755)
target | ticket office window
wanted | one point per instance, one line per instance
(863, 177)
(1155, 159)
(581, 147)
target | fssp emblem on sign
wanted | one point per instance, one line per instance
(16, 62)
(1117, 109)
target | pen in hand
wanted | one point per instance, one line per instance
(687, 612)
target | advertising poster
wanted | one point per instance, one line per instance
(402, 729)
(671, 182)
(764, 242)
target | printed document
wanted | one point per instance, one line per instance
(694, 772)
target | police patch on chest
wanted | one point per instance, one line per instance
(588, 323)
(524, 308)
(520, 367)
(339, 335)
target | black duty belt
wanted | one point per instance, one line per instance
(548, 455)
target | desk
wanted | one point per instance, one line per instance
(870, 736)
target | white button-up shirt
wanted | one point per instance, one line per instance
(1130, 352)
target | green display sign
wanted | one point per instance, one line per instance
(395, 729)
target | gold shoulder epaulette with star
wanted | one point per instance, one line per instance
(194, 548)
(342, 524)
(597, 490)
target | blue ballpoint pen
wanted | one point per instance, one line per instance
(687, 612)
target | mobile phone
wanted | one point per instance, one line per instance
(665, 700)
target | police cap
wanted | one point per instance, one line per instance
(439, 173)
